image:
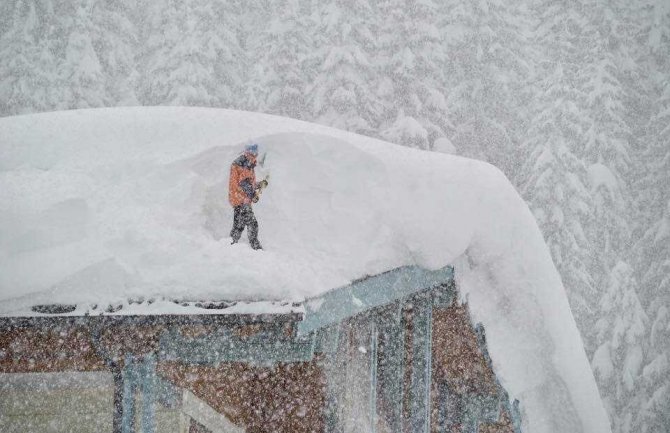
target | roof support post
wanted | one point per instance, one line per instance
(130, 374)
(443, 407)
(332, 367)
(373, 377)
(470, 425)
(392, 366)
(139, 374)
(454, 408)
(117, 416)
(515, 413)
(421, 365)
(148, 386)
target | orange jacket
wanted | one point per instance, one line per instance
(242, 184)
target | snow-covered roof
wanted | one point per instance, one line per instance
(101, 206)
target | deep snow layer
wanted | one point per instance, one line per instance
(99, 206)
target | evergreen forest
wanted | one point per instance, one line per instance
(569, 98)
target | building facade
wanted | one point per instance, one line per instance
(394, 352)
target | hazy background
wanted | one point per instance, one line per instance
(571, 99)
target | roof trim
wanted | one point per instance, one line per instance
(155, 319)
(370, 292)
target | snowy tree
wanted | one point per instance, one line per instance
(281, 70)
(554, 184)
(232, 60)
(27, 69)
(655, 414)
(618, 360)
(340, 95)
(607, 141)
(80, 82)
(117, 45)
(488, 75)
(653, 251)
(188, 57)
(659, 30)
(410, 74)
(554, 178)
(652, 188)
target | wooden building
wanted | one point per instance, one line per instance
(394, 352)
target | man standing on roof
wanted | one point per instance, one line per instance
(242, 191)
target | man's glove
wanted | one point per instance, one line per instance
(259, 188)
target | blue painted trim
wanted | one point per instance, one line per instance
(330, 367)
(470, 426)
(130, 375)
(139, 374)
(167, 394)
(391, 370)
(516, 416)
(339, 304)
(454, 403)
(421, 366)
(444, 295)
(148, 386)
(327, 339)
(442, 407)
(373, 377)
(224, 347)
(480, 408)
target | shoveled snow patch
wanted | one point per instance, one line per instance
(100, 206)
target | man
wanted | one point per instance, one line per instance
(243, 190)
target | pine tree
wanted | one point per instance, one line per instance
(554, 180)
(188, 55)
(80, 82)
(117, 44)
(618, 359)
(607, 151)
(340, 95)
(27, 69)
(232, 60)
(655, 414)
(653, 203)
(554, 183)
(410, 74)
(489, 77)
(654, 262)
(282, 70)
(608, 137)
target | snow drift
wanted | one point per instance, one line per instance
(104, 205)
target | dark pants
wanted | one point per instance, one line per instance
(244, 217)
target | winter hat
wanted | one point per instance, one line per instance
(252, 149)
